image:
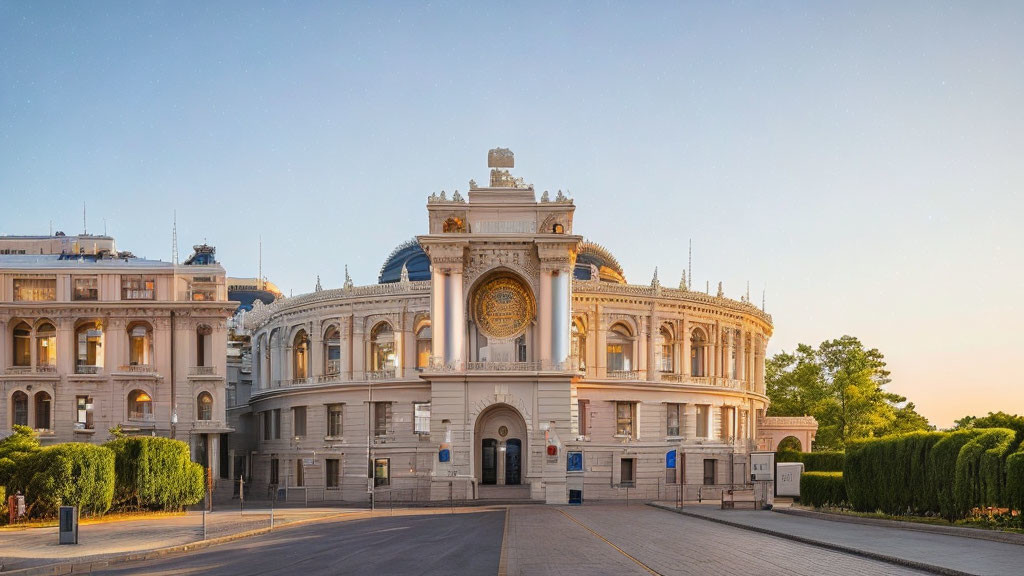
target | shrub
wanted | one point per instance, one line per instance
(3, 505)
(890, 474)
(1015, 480)
(156, 474)
(822, 489)
(69, 474)
(979, 469)
(14, 449)
(815, 461)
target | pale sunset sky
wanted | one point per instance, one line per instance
(860, 163)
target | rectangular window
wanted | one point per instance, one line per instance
(709, 471)
(333, 473)
(616, 360)
(138, 288)
(276, 423)
(382, 472)
(299, 421)
(583, 408)
(673, 418)
(626, 470)
(334, 420)
(702, 420)
(203, 288)
(381, 418)
(83, 413)
(265, 417)
(726, 412)
(421, 417)
(300, 473)
(274, 476)
(624, 418)
(35, 289)
(86, 289)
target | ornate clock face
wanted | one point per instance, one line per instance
(503, 308)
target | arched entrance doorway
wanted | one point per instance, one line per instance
(500, 436)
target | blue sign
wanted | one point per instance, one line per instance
(574, 462)
(670, 459)
(444, 455)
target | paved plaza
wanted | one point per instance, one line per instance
(525, 539)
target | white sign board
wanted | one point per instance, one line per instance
(762, 466)
(788, 482)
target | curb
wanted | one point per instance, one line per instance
(961, 531)
(827, 545)
(98, 564)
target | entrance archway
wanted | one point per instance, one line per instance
(501, 446)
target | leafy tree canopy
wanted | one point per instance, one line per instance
(841, 383)
(993, 420)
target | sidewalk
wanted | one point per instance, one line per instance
(940, 553)
(36, 547)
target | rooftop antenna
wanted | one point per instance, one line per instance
(51, 227)
(104, 226)
(259, 279)
(85, 228)
(174, 239)
(748, 291)
(689, 265)
(763, 290)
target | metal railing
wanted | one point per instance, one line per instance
(624, 374)
(333, 367)
(84, 369)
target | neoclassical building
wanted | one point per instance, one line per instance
(92, 338)
(501, 355)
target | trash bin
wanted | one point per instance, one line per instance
(68, 525)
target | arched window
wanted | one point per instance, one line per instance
(42, 403)
(453, 225)
(46, 345)
(557, 229)
(300, 355)
(521, 348)
(332, 351)
(698, 343)
(579, 344)
(89, 348)
(423, 346)
(140, 344)
(19, 409)
(382, 347)
(203, 343)
(665, 350)
(204, 406)
(140, 405)
(619, 349)
(22, 345)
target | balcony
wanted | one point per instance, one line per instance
(386, 374)
(202, 371)
(86, 369)
(624, 374)
(135, 416)
(438, 365)
(333, 367)
(137, 368)
(45, 369)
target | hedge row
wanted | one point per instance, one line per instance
(948, 473)
(822, 489)
(815, 461)
(143, 472)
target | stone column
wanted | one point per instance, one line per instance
(437, 318)
(455, 319)
(653, 329)
(741, 357)
(561, 315)
(544, 314)
(685, 334)
(600, 343)
(713, 352)
(316, 365)
(348, 348)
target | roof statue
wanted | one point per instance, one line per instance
(500, 158)
(655, 283)
(404, 276)
(720, 293)
(456, 197)
(348, 285)
(682, 282)
(318, 287)
(544, 197)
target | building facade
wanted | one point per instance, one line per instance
(501, 355)
(92, 339)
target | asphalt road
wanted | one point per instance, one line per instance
(438, 544)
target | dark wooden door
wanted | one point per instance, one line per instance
(489, 461)
(513, 461)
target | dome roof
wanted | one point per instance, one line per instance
(411, 255)
(592, 254)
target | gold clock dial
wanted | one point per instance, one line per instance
(503, 308)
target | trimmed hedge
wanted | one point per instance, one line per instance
(890, 474)
(822, 489)
(156, 474)
(1015, 479)
(69, 474)
(979, 470)
(815, 461)
(14, 450)
(942, 460)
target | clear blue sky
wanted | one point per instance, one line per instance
(864, 161)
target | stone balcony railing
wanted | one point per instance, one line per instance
(85, 369)
(43, 369)
(437, 366)
(137, 368)
(202, 371)
(787, 422)
(207, 425)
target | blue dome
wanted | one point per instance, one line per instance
(410, 254)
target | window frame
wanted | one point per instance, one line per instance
(631, 433)
(91, 294)
(676, 408)
(332, 479)
(30, 289)
(138, 287)
(297, 430)
(332, 410)
(418, 420)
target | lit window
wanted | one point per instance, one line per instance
(140, 344)
(35, 289)
(382, 472)
(46, 345)
(423, 346)
(624, 418)
(89, 353)
(138, 288)
(204, 406)
(382, 348)
(702, 420)
(140, 405)
(86, 289)
(300, 355)
(619, 349)
(22, 345)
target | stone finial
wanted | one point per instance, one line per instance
(544, 198)
(318, 287)
(457, 197)
(655, 283)
(404, 277)
(682, 282)
(472, 184)
(561, 197)
(348, 285)
(444, 196)
(720, 293)
(432, 197)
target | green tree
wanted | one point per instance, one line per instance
(841, 384)
(993, 420)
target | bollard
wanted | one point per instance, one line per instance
(271, 514)
(204, 524)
